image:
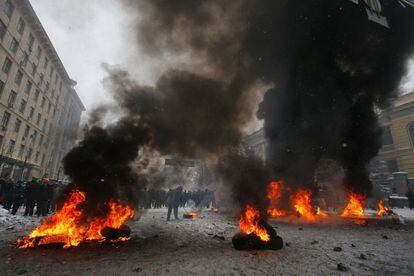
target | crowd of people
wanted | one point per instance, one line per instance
(37, 197)
(161, 198)
(41, 197)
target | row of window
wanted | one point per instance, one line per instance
(5, 121)
(25, 153)
(22, 108)
(18, 80)
(15, 45)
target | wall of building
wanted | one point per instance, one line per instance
(39, 108)
(398, 150)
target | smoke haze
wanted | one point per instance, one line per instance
(329, 67)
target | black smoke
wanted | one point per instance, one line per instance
(329, 66)
(339, 69)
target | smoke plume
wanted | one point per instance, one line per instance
(329, 66)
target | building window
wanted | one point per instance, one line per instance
(39, 118)
(29, 154)
(39, 52)
(22, 106)
(47, 86)
(44, 125)
(42, 77)
(11, 99)
(26, 131)
(8, 8)
(7, 65)
(20, 26)
(28, 87)
(48, 108)
(3, 29)
(31, 42)
(387, 137)
(43, 160)
(392, 165)
(10, 147)
(41, 140)
(17, 125)
(6, 119)
(52, 69)
(31, 112)
(34, 136)
(1, 87)
(25, 59)
(34, 68)
(46, 63)
(19, 77)
(43, 102)
(411, 133)
(14, 45)
(37, 156)
(21, 151)
(36, 95)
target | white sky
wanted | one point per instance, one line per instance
(87, 33)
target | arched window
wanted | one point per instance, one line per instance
(411, 133)
(387, 136)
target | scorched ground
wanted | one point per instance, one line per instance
(197, 246)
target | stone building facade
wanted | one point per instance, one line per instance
(398, 135)
(40, 110)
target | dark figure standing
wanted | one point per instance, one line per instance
(173, 201)
(410, 195)
(8, 193)
(18, 196)
(41, 198)
(30, 198)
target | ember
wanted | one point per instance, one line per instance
(321, 213)
(256, 233)
(274, 192)
(355, 206)
(302, 204)
(190, 215)
(249, 223)
(382, 210)
(66, 225)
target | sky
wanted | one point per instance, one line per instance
(89, 33)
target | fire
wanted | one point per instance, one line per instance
(302, 204)
(355, 205)
(191, 215)
(321, 213)
(66, 224)
(274, 192)
(382, 210)
(249, 223)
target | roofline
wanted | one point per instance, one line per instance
(31, 16)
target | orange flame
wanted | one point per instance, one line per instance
(192, 215)
(274, 192)
(302, 204)
(321, 213)
(355, 207)
(382, 210)
(249, 223)
(65, 225)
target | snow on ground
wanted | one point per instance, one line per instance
(203, 246)
(9, 221)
